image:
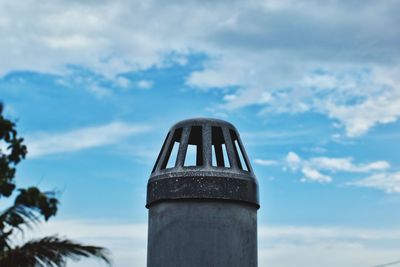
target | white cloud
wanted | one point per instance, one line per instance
(293, 160)
(99, 91)
(374, 103)
(388, 182)
(280, 64)
(328, 254)
(122, 82)
(144, 84)
(279, 246)
(313, 171)
(347, 165)
(273, 136)
(41, 144)
(292, 232)
(355, 99)
(287, 246)
(311, 168)
(265, 162)
(81, 229)
(313, 175)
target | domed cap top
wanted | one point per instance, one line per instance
(202, 158)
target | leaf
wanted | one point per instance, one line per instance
(50, 252)
(32, 197)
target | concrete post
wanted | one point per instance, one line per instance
(202, 197)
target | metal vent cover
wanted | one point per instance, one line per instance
(202, 158)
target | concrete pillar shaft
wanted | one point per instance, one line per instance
(202, 233)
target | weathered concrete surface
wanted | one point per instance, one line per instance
(202, 213)
(202, 233)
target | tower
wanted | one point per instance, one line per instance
(202, 197)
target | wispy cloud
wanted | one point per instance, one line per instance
(98, 91)
(346, 165)
(287, 246)
(279, 245)
(273, 136)
(313, 167)
(266, 162)
(314, 175)
(144, 84)
(322, 170)
(41, 144)
(386, 181)
(352, 79)
(125, 83)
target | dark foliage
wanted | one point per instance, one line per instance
(49, 251)
(30, 206)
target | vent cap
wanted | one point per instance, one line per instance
(202, 158)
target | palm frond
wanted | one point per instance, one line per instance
(15, 217)
(18, 215)
(50, 252)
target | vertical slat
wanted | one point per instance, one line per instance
(161, 151)
(206, 135)
(234, 137)
(245, 157)
(237, 154)
(163, 161)
(230, 148)
(182, 148)
(219, 155)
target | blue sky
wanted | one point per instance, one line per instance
(312, 86)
